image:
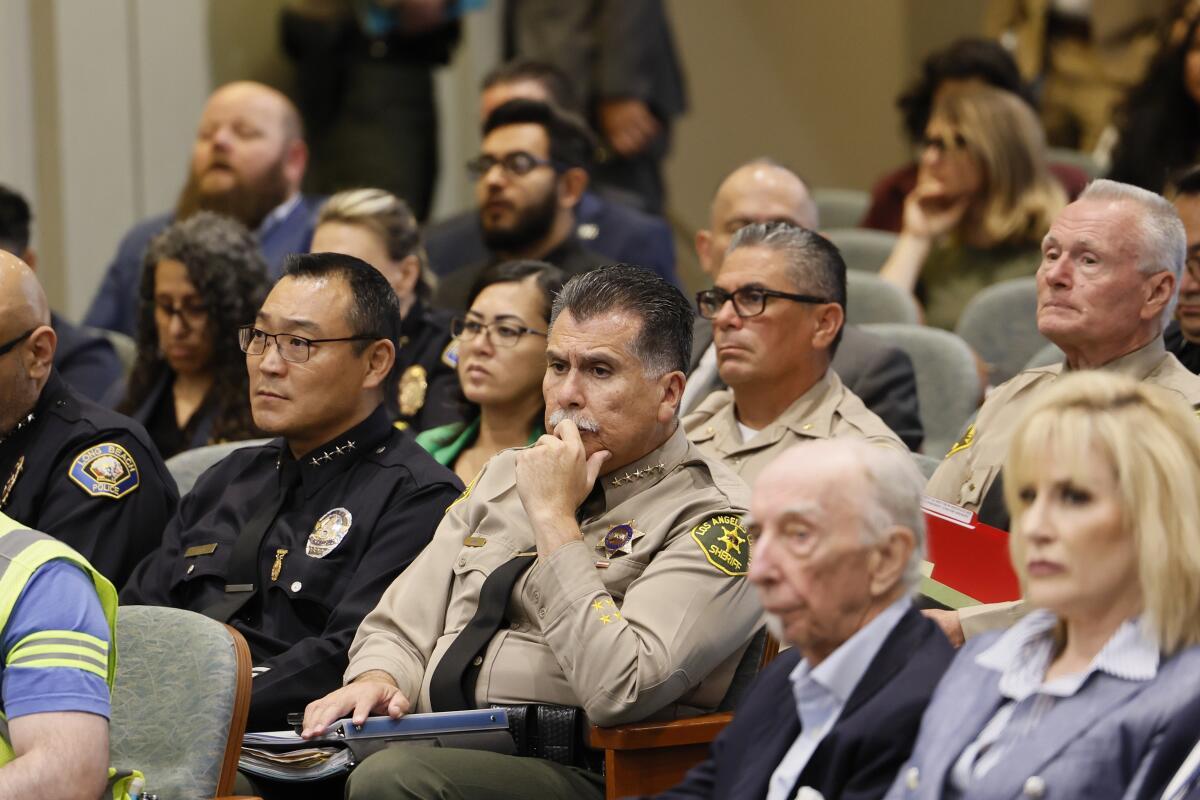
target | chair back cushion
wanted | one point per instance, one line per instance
(1000, 324)
(189, 465)
(173, 699)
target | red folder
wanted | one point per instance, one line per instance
(968, 556)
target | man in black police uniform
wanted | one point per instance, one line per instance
(69, 467)
(294, 541)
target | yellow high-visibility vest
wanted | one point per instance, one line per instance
(22, 553)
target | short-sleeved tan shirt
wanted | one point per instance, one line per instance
(827, 410)
(655, 628)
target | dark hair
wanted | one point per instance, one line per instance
(224, 265)
(374, 309)
(664, 343)
(549, 279)
(551, 78)
(1159, 122)
(15, 218)
(985, 59)
(1186, 181)
(571, 143)
(814, 264)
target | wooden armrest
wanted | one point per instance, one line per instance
(238, 797)
(645, 735)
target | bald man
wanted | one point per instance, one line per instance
(70, 468)
(882, 376)
(248, 160)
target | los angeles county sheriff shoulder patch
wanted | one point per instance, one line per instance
(724, 543)
(105, 470)
(966, 441)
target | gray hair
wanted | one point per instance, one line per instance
(664, 343)
(1162, 241)
(814, 265)
(893, 497)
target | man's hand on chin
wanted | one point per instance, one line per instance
(553, 478)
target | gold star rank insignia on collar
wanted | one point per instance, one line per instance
(637, 474)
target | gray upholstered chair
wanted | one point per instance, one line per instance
(863, 249)
(927, 464)
(125, 346)
(869, 298)
(187, 466)
(1050, 354)
(180, 701)
(1000, 323)
(947, 379)
(841, 208)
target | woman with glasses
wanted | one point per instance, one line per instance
(500, 345)
(983, 201)
(379, 228)
(201, 279)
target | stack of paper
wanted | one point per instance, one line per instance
(282, 756)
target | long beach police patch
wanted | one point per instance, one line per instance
(724, 543)
(105, 470)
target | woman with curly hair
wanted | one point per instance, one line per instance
(1159, 123)
(201, 279)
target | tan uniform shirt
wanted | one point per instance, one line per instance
(624, 635)
(970, 468)
(827, 410)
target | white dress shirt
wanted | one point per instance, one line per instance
(821, 693)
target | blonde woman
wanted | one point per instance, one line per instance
(983, 201)
(1103, 485)
(379, 228)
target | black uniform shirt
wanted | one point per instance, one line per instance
(89, 477)
(372, 493)
(427, 395)
(1187, 352)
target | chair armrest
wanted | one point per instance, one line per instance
(673, 733)
(238, 797)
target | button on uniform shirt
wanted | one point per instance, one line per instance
(1022, 657)
(365, 505)
(828, 410)
(654, 622)
(89, 477)
(821, 692)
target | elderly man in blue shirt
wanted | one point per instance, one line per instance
(838, 538)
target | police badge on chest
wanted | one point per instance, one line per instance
(328, 533)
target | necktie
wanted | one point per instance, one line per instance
(452, 687)
(242, 577)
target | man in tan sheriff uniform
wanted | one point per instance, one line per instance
(1106, 287)
(777, 310)
(614, 547)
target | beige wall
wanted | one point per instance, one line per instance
(113, 89)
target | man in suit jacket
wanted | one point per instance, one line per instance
(530, 174)
(838, 539)
(612, 228)
(881, 375)
(248, 160)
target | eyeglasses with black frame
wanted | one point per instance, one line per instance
(503, 334)
(517, 163)
(192, 315)
(748, 301)
(295, 349)
(11, 343)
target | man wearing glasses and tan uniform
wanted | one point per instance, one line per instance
(777, 311)
(294, 541)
